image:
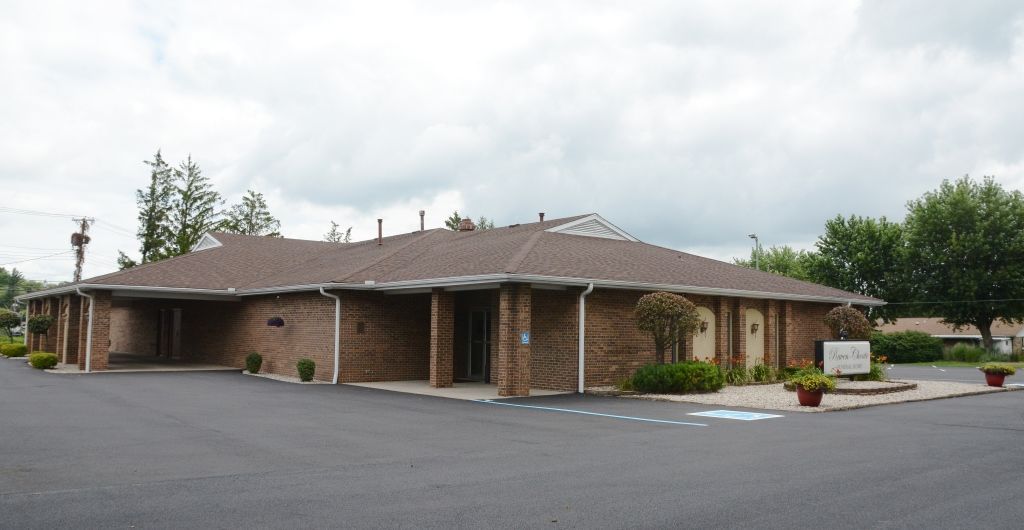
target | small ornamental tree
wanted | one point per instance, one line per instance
(666, 316)
(850, 320)
(8, 321)
(40, 324)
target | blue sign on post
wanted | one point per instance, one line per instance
(524, 337)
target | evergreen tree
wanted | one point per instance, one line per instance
(194, 209)
(452, 222)
(484, 223)
(251, 217)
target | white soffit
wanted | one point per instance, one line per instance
(592, 226)
(206, 242)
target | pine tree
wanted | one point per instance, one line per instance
(194, 209)
(154, 204)
(251, 217)
(337, 236)
(453, 222)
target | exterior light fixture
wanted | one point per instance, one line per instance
(753, 328)
(757, 251)
(704, 326)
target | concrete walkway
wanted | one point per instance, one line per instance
(467, 391)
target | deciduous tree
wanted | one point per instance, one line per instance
(783, 260)
(251, 217)
(666, 316)
(337, 236)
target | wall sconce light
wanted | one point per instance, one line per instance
(753, 328)
(703, 326)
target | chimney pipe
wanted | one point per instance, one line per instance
(380, 231)
(542, 217)
(422, 213)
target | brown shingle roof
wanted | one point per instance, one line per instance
(528, 252)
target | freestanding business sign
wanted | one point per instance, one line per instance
(849, 356)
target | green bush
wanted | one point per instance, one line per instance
(966, 353)
(40, 324)
(253, 362)
(679, 378)
(736, 376)
(13, 350)
(907, 346)
(877, 373)
(42, 360)
(306, 369)
(813, 382)
(763, 373)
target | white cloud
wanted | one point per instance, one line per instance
(690, 125)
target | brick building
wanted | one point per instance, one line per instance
(530, 305)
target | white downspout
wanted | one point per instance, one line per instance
(582, 322)
(337, 331)
(88, 333)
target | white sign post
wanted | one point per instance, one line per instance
(849, 357)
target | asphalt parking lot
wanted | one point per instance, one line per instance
(220, 450)
(942, 373)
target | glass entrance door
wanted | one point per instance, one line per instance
(479, 345)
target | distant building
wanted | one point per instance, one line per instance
(1005, 338)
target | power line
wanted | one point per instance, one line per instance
(34, 259)
(21, 211)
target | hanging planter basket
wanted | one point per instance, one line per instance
(276, 322)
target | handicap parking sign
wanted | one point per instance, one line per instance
(524, 337)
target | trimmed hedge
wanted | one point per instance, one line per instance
(13, 350)
(253, 362)
(42, 360)
(306, 368)
(678, 378)
(907, 346)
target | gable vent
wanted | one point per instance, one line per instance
(206, 242)
(592, 226)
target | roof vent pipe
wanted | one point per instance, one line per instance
(541, 217)
(380, 231)
(422, 213)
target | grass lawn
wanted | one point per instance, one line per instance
(957, 364)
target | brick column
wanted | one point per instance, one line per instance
(723, 312)
(100, 330)
(69, 353)
(739, 350)
(442, 338)
(514, 310)
(52, 308)
(770, 321)
(687, 344)
(786, 340)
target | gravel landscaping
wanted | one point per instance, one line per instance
(774, 397)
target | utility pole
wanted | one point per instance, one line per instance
(79, 240)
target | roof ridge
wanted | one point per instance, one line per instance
(517, 259)
(391, 253)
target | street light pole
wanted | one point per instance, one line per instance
(757, 251)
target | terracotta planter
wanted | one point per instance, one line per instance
(808, 398)
(994, 379)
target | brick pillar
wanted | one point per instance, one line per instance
(687, 343)
(739, 350)
(100, 330)
(69, 353)
(442, 338)
(786, 340)
(723, 312)
(52, 308)
(514, 309)
(770, 321)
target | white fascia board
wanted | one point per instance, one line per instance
(304, 287)
(592, 217)
(137, 291)
(150, 295)
(615, 284)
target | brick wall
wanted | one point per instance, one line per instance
(553, 339)
(514, 307)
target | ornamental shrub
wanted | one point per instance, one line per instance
(40, 324)
(8, 321)
(737, 375)
(306, 368)
(907, 346)
(13, 350)
(665, 316)
(763, 373)
(853, 322)
(253, 362)
(679, 378)
(966, 353)
(43, 360)
(997, 368)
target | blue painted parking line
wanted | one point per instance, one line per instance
(736, 415)
(588, 413)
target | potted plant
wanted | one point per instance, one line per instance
(275, 322)
(810, 386)
(995, 373)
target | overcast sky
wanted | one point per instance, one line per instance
(687, 124)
